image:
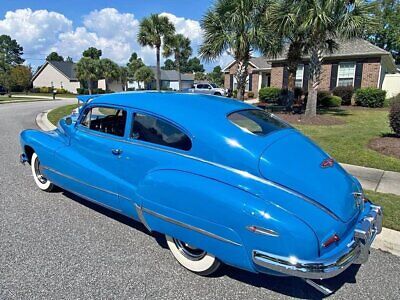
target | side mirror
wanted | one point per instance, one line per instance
(68, 121)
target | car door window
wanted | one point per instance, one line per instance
(154, 130)
(105, 119)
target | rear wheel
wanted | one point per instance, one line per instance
(192, 258)
(41, 181)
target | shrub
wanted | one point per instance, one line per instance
(370, 97)
(344, 92)
(35, 90)
(394, 114)
(62, 91)
(80, 91)
(250, 95)
(45, 89)
(234, 93)
(330, 101)
(269, 94)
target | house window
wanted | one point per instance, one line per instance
(235, 83)
(299, 76)
(346, 74)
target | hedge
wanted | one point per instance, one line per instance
(269, 94)
(331, 101)
(394, 114)
(370, 97)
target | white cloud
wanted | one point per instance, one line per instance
(42, 31)
(36, 30)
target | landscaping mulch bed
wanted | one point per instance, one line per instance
(317, 120)
(388, 145)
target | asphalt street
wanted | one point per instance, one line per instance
(59, 246)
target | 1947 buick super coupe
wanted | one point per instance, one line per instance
(223, 180)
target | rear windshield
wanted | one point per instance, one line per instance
(257, 121)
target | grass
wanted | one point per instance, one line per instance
(17, 94)
(391, 208)
(56, 114)
(347, 143)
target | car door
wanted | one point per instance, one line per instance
(150, 143)
(89, 165)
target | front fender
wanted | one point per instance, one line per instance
(44, 143)
(214, 216)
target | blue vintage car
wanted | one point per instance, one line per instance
(223, 180)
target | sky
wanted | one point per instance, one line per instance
(71, 26)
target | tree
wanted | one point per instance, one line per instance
(193, 65)
(54, 56)
(20, 77)
(200, 76)
(93, 53)
(144, 74)
(123, 77)
(216, 76)
(151, 32)
(179, 46)
(386, 34)
(169, 65)
(69, 59)
(88, 69)
(238, 27)
(318, 26)
(10, 56)
(109, 70)
(135, 62)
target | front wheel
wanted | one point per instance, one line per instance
(217, 94)
(192, 258)
(41, 181)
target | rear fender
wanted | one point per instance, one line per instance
(198, 210)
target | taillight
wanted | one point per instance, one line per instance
(333, 239)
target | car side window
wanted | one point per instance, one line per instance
(106, 120)
(154, 130)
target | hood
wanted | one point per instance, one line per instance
(295, 162)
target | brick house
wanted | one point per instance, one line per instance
(355, 63)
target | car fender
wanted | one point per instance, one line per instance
(214, 216)
(43, 143)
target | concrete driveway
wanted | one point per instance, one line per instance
(58, 246)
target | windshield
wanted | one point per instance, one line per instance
(257, 121)
(213, 85)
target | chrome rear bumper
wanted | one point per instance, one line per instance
(357, 252)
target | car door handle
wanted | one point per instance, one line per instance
(116, 151)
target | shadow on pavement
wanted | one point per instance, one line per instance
(290, 286)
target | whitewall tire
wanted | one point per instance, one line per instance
(193, 259)
(42, 182)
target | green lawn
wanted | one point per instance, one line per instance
(43, 95)
(56, 114)
(347, 143)
(391, 208)
(20, 99)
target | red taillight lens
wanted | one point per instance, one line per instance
(334, 238)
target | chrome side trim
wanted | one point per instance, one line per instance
(139, 211)
(261, 230)
(190, 227)
(82, 182)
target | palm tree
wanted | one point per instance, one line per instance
(152, 31)
(110, 70)
(144, 74)
(88, 69)
(123, 77)
(179, 46)
(239, 28)
(318, 26)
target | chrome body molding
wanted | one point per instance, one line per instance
(261, 230)
(82, 182)
(357, 252)
(190, 227)
(139, 212)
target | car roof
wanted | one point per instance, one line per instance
(183, 108)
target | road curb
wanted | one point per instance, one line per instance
(388, 240)
(43, 122)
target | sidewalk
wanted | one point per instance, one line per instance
(375, 179)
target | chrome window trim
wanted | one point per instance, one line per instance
(190, 227)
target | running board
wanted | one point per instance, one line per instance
(323, 289)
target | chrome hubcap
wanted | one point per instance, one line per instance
(189, 251)
(38, 173)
